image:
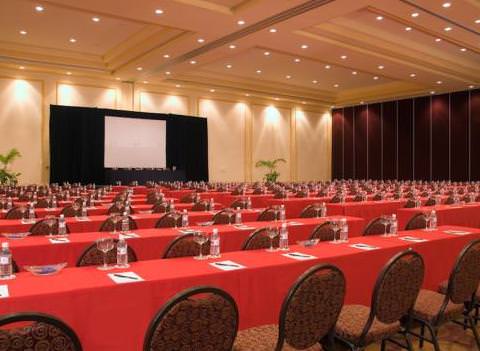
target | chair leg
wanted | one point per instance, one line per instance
(474, 330)
(422, 334)
(409, 342)
(433, 333)
(384, 345)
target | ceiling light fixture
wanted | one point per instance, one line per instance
(258, 71)
(477, 21)
(96, 19)
(166, 56)
(139, 68)
(247, 94)
(463, 49)
(304, 46)
(178, 86)
(408, 29)
(336, 85)
(272, 30)
(432, 92)
(328, 66)
(201, 40)
(314, 81)
(21, 67)
(343, 57)
(304, 102)
(297, 60)
(379, 18)
(73, 40)
(240, 22)
(439, 82)
(231, 46)
(447, 29)
(145, 82)
(168, 73)
(158, 11)
(193, 62)
(362, 102)
(438, 40)
(117, 78)
(413, 75)
(471, 86)
(381, 67)
(375, 78)
(39, 8)
(212, 90)
(267, 53)
(415, 14)
(229, 66)
(288, 76)
(354, 73)
(69, 73)
(446, 5)
(23, 32)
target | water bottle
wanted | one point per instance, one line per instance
(62, 228)
(211, 204)
(9, 203)
(323, 210)
(84, 209)
(238, 216)
(122, 253)
(283, 242)
(184, 218)
(127, 207)
(282, 212)
(249, 203)
(172, 206)
(31, 212)
(433, 220)
(125, 223)
(394, 225)
(215, 244)
(343, 230)
(6, 271)
(54, 201)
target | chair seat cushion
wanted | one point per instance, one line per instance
(428, 305)
(263, 338)
(352, 320)
(442, 289)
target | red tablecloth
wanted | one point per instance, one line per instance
(294, 205)
(367, 210)
(114, 317)
(151, 243)
(258, 201)
(93, 223)
(467, 215)
(140, 189)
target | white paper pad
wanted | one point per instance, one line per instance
(299, 256)
(128, 235)
(125, 277)
(82, 219)
(243, 227)
(457, 232)
(28, 221)
(4, 291)
(412, 239)
(227, 265)
(50, 209)
(294, 223)
(187, 231)
(364, 246)
(59, 240)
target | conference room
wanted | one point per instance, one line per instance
(245, 175)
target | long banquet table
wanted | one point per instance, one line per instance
(367, 210)
(114, 317)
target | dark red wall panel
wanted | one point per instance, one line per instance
(405, 139)
(421, 132)
(475, 135)
(348, 145)
(374, 142)
(361, 141)
(459, 129)
(337, 144)
(389, 144)
(440, 137)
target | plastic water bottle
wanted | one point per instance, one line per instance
(249, 203)
(323, 210)
(125, 223)
(184, 218)
(394, 225)
(343, 230)
(62, 228)
(31, 212)
(122, 254)
(9, 203)
(84, 209)
(215, 244)
(283, 241)
(211, 204)
(54, 201)
(6, 262)
(433, 220)
(282, 212)
(238, 216)
(172, 206)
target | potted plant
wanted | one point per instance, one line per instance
(8, 177)
(272, 175)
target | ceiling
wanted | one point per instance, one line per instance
(321, 51)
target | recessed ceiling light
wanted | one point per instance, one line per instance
(73, 40)
(168, 73)
(447, 29)
(178, 86)
(304, 102)
(415, 14)
(375, 78)
(158, 11)
(277, 99)
(354, 73)
(408, 29)
(117, 78)
(247, 94)
(304, 46)
(69, 73)
(438, 40)
(463, 49)
(212, 90)
(328, 66)
(229, 66)
(288, 76)
(272, 30)
(343, 57)
(432, 92)
(381, 67)
(413, 75)
(258, 71)
(145, 82)
(201, 40)
(314, 81)
(166, 56)
(23, 32)
(439, 82)
(96, 19)
(446, 4)
(192, 62)
(240, 22)
(471, 87)
(297, 60)
(336, 85)
(477, 21)
(362, 102)
(21, 67)
(267, 53)
(139, 68)
(379, 18)
(39, 8)
(232, 46)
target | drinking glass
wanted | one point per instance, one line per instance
(176, 216)
(230, 215)
(335, 228)
(104, 245)
(115, 218)
(200, 238)
(316, 207)
(385, 220)
(272, 232)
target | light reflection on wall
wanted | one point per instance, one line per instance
(272, 116)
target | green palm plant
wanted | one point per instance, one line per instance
(8, 177)
(271, 165)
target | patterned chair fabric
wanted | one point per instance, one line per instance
(269, 214)
(185, 246)
(308, 314)
(72, 211)
(160, 207)
(201, 206)
(108, 225)
(311, 211)
(36, 331)
(168, 221)
(410, 203)
(118, 208)
(17, 213)
(376, 227)
(259, 240)
(91, 256)
(241, 203)
(323, 232)
(46, 226)
(418, 221)
(200, 319)
(258, 191)
(189, 199)
(42, 203)
(335, 199)
(225, 216)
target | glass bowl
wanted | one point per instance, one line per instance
(47, 269)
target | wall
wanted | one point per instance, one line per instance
(240, 131)
(425, 138)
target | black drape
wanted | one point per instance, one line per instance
(77, 143)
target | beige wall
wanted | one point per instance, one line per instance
(240, 131)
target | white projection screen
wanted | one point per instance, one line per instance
(135, 143)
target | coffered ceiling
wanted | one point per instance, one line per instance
(322, 51)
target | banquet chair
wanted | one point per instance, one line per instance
(301, 194)
(335, 199)
(72, 211)
(19, 212)
(378, 197)
(323, 232)
(450, 200)
(46, 226)
(411, 203)
(153, 196)
(418, 221)
(185, 246)
(201, 206)
(211, 308)
(92, 256)
(160, 207)
(258, 191)
(431, 202)
(322, 193)
(189, 199)
(376, 227)
(269, 214)
(15, 268)
(168, 221)
(27, 196)
(358, 198)
(280, 195)
(241, 203)
(42, 203)
(393, 298)
(118, 209)
(307, 316)
(434, 309)
(37, 330)
(108, 224)
(225, 216)
(259, 240)
(311, 211)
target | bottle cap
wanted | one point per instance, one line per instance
(5, 245)
(215, 231)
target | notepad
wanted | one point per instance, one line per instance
(227, 265)
(412, 239)
(128, 235)
(28, 221)
(299, 256)
(457, 232)
(243, 227)
(59, 240)
(187, 231)
(82, 219)
(294, 223)
(364, 247)
(4, 291)
(125, 277)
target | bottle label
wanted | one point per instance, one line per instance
(4, 260)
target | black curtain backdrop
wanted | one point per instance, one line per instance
(77, 143)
